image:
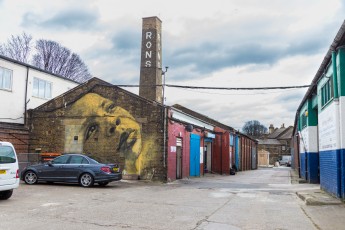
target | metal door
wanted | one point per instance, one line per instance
(254, 159)
(194, 166)
(178, 158)
(237, 152)
(178, 162)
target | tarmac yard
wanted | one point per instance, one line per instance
(258, 199)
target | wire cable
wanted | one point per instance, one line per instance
(220, 88)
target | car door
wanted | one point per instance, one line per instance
(74, 167)
(54, 171)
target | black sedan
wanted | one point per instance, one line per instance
(72, 168)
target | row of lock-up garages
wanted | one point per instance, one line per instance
(199, 145)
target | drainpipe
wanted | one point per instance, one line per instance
(221, 154)
(336, 96)
(335, 77)
(26, 94)
(164, 135)
(337, 109)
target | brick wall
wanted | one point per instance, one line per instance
(18, 136)
(59, 126)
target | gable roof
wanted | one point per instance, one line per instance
(268, 142)
(281, 133)
(70, 96)
(35, 68)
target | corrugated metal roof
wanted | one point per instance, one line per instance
(338, 41)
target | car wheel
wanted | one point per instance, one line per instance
(30, 177)
(4, 195)
(103, 183)
(86, 180)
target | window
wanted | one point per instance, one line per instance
(78, 160)
(60, 160)
(5, 78)
(42, 89)
(327, 92)
(7, 155)
(303, 120)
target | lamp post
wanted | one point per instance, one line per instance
(164, 115)
(163, 85)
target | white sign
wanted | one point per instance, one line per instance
(327, 129)
(173, 149)
(201, 155)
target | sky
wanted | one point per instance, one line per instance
(218, 43)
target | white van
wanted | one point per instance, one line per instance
(9, 170)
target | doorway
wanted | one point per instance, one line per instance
(208, 157)
(178, 158)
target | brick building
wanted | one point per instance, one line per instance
(277, 143)
(106, 122)
(148, 139)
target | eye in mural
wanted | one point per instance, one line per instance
(106, 131)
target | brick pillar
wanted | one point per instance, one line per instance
(151, 60)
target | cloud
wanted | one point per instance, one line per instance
(210, 57)
(71, 19)
(126, 43)
(220, 44)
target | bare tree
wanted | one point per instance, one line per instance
(254, 128)
(53, 57)
(17, 47)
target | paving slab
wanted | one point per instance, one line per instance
(318, 197)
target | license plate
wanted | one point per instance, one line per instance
(2, 171)
(116, 169)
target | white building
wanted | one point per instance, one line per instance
(24, 87)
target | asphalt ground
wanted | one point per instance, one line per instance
(258, 199)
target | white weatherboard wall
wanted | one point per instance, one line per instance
(13, 101)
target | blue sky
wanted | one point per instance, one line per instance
(240, 43)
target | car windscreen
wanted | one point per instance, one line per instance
(7, 155)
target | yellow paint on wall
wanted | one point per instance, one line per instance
(108, 131)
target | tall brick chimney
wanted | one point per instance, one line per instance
(151, 60)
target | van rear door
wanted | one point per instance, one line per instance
(8, 165)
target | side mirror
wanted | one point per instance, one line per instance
(50, 163)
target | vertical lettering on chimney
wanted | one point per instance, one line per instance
(151, 63)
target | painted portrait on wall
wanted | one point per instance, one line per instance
(96, 126)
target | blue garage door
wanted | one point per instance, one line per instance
(194, 167)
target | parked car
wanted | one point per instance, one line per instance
(9, 170)
(286, 160)
(72, 168)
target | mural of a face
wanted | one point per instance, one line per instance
(107, 130)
